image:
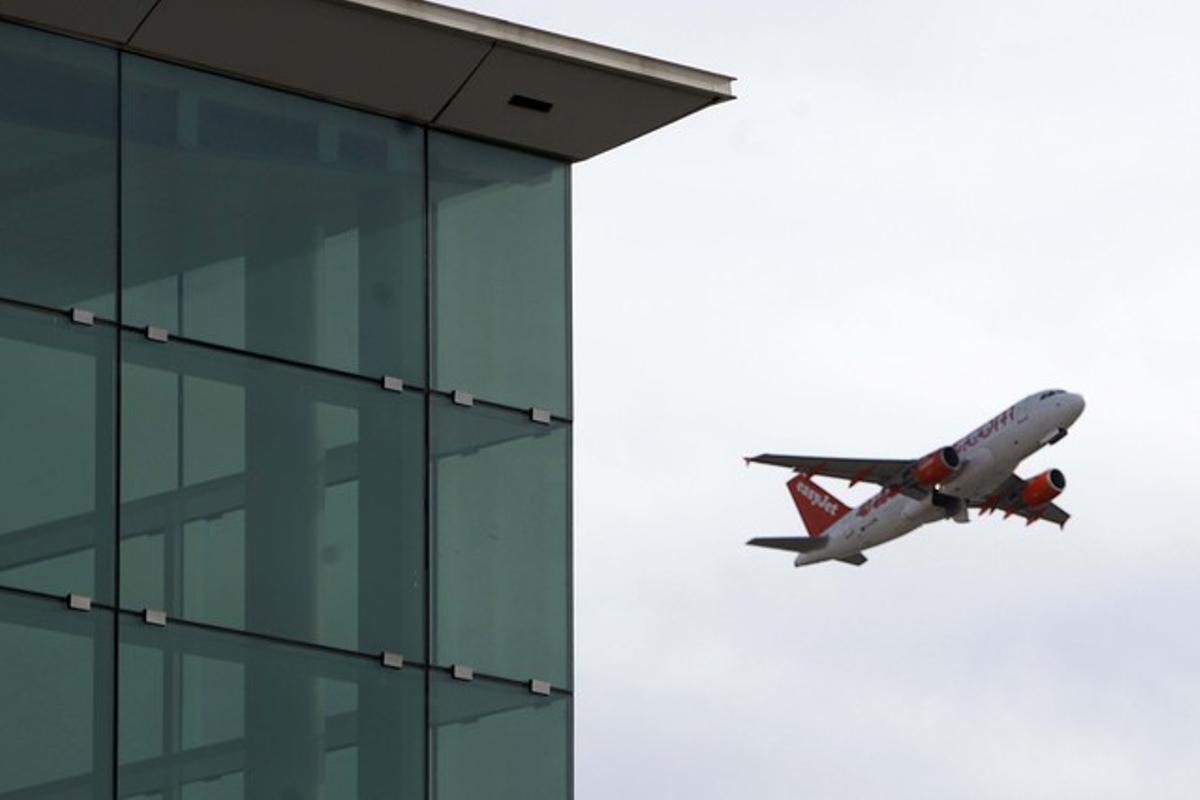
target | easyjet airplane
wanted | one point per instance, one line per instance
(976, 472)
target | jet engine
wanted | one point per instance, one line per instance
(1042, 488)
(936, 467)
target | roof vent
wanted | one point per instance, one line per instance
(530, 103)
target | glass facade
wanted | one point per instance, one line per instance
(294, 380)
(267, 497)
(56, 681)
(57, 424)
(271, 223)
(210, 714)
(58, 174)
(517, 743)
(499, 230)
(501, 565)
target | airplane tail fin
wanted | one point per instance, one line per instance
(818, 508)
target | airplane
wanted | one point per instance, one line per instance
(977, 471)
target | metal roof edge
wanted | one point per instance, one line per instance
(570, 48)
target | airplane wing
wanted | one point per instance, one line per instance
(883, 471)
(1007, 498)
(795, 544)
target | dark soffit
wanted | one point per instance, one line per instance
(413, 60)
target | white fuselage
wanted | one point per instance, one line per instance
(989, 454)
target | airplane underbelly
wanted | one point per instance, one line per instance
(900, 517)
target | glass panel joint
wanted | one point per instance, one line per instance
(79, 602)
(81, 316)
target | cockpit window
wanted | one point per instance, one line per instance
(1051, 393)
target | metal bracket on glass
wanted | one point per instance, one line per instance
(462, 398)
(540, 415)
(393, 384)
(79, 602)
(156, 334)
(154, 616)
(539, 687)
(81, 316)
(392, 660)
(461, 672)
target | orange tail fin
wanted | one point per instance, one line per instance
(818, 508)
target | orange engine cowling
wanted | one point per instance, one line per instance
(936, 467)
(1042, 488)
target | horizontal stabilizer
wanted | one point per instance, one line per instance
(858, 559)
(795, 544)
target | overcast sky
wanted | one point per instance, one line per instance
(914, 214)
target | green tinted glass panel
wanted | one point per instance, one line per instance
(501, 285)
(56, 454)
(58, 170)
(501, 543)
(55, 700)
(272, 223)
(498, 741)
(271, 498)
(209, 715)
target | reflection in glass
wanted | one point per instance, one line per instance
(218, 715)
(271, 498)
(55, 700)
(498, 741)
(501, 543)
(272, 223)
(58, 170)
(499, 222)
(56, 454)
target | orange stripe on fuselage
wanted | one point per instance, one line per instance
(877, 501)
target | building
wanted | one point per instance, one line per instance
(285, 486)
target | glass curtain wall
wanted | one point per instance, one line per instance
(285, 501)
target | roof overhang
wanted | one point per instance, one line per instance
(417, 61)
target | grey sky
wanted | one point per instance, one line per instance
(915, 214)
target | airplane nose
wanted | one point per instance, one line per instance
(1075, 405)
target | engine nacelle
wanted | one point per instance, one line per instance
(936, 467)
(1042, 488)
